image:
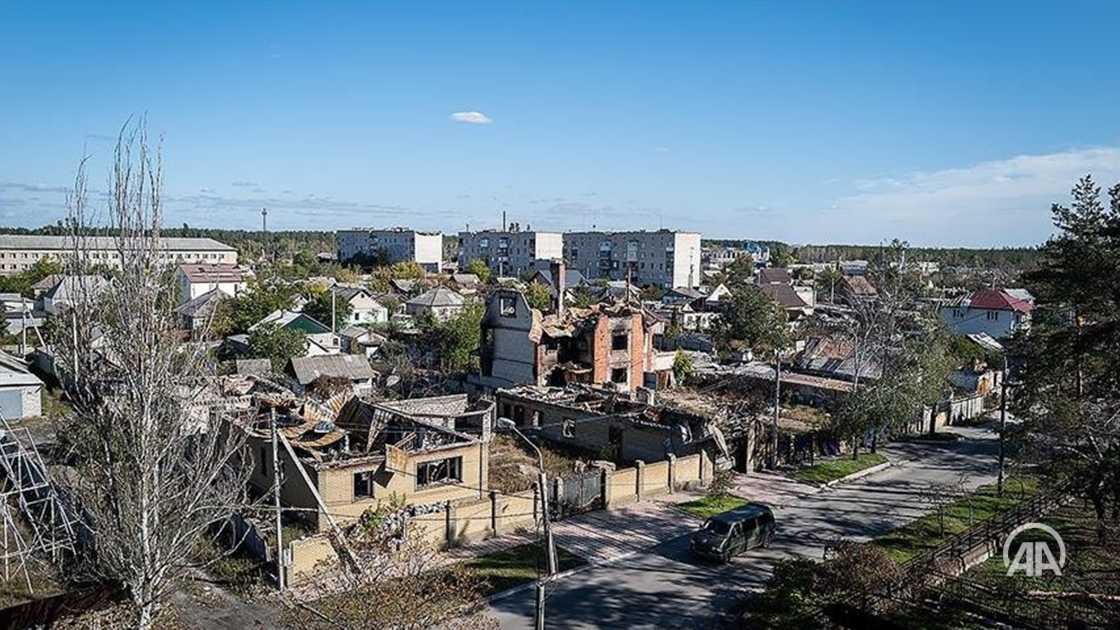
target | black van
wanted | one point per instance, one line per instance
(734, 532)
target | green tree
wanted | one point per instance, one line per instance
(781, 255)
(827, 281)
(538, 296)
(458, 338)
(752, 321)
(479, 268)
(1069, 361)
(682, 366)
(278, 345)
(261, 297)
(319, 308)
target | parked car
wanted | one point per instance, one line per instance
(726, 535)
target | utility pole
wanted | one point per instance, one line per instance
(1002, 425)
(334, 298)
(777, 411)
(264, 228)
(550, 547)
(276, 503)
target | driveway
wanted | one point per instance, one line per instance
(663, 587)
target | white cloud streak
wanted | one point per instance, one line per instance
(474, 118)
(996, 202)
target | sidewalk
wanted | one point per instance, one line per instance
(603, 536)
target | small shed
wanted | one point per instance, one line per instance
(20, 390)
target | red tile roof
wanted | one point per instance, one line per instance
(998, 301)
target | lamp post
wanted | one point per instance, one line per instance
(506, 423)
(1002, 425)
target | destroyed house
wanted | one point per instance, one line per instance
(609, 425)
(604, 343)
(359, 454)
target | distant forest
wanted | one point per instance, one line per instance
(1000, 258)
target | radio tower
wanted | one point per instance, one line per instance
(264, 228)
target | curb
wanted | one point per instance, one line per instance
(514, 590)
(856, 475)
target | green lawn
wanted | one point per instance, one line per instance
(517, 565)
(707, 507)
(925, 533)
(839, 468)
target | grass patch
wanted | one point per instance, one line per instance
(837, 468)
(707, 507)
(925, 533)
(517, 565)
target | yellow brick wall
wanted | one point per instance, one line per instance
(623, 485)
(656, 480)
(687, 469)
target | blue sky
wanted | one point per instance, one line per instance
(940, 123)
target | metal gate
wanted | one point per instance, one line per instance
(581, 492)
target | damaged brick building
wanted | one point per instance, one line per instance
(600, 344)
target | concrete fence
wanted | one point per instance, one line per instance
(462, 522)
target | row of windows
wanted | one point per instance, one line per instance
(440, 472)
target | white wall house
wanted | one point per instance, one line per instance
(364, 308)
(195, 279)
(20, 390)
(997, 314)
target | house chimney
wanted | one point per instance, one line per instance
(556, 268)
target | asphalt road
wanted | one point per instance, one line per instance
(663, 587)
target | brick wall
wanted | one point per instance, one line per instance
(601, 351)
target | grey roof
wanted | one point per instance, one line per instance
(27, 241)
(254, 367)
(354, 367)
(439, 296)
(14, 372)
(349, 292)
(774, 275)
(784, 295)
(203, 304)
(71, 287)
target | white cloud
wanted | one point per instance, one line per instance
(475, 118)
(662, 150)
(997, 202)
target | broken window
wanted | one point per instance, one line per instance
(363, 485)
(620, 342)
(507, 306)
(618, 375)
(568, 428)
(439, 472)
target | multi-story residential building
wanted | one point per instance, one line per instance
(665, 257)
(18, 252)
(509, 253)
(392, 245)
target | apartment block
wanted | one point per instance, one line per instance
(667, 258)
(19, 252)
(509, 253)
(393, 245)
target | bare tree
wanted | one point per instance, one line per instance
(155, 468)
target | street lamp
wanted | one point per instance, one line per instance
(506, 423)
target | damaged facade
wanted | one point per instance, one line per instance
(600, 344)
(359, 453)
(614, 425)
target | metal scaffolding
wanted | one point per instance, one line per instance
(37, 523)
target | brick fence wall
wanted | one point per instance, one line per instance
(462, 522)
